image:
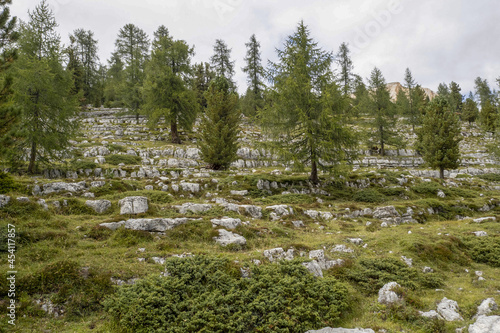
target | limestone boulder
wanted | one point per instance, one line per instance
(386, 295)
(227, 237)
(99, 206)
(133, 205)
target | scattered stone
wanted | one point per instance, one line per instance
(253, 211)
(441, 194)
(314, 268)
(158, 260)
(61, 186)
(298, 224)
(280, 211)
(278, 254)
(88, 195)
(485, 324)
(98, 183)
(386, 295)
(356, 241)
(48, 307)
(485, 219)
(242, 193)
(480, 233)
(245, 272)
(190, 187)
(486, 307)
(384, 225)
(4, 200)
(427, 270)
(319, 256)
(42, 203)
(226, 222)
(133, 205)
(152, 225)
(193, 208)
(408, 261)
(385, 212)
(20, 199)
(430, 314)
(314, 214)
(149, 187)
(99, 206)
(342, 248)
(448, 309)
(227, 237)
(478, 273)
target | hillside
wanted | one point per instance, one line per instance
(395, 87)
(133, 212)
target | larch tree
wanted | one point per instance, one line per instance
(470, 111)
(410, 84)
(9, 115)
(344, 61)
(42, 91)
(220, 125)
(383, 112)
(254, 99)
(166, 90)
(361, 97)
(202, 76)
(439, 136)
(483, 92)
(132, 46)
(221, 62)
(306, 118)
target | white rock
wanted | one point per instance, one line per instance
(407, 261)
(20, 199)
(441, 194)
(480, 233)
(386, 295)
(149, 187)
(427, 270)
(242, 193)
(193, 208)
(486, 307)
(226, 222)
(314, 268)
(280, 211)
(253, 211)
(342, 248)
(42, 203)
(133, 205)
(190, 187)
(99, 206)
(4, 200)
(385, 212)
(226, 237)
(357, 241)
(61, 186)
(478, 273)
(158, 260)
(485, 219)
(152, 225)
(298, 224)
(430, 314)
(448, 309)
(486, 324)
(278, 254)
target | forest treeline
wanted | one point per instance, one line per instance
(308, 102)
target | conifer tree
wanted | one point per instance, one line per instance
(483, 92)
(165, 87)
(202, 76)
(115, 78)
(219, 128)
(489, 117)
(221, 62)
(306, 116)
(345, 63)
(42, 90)
(361, 98)
(470, 111)
(455, 98)
(254, 95)
(410, 85)
(132, 46)
(443, 91)
(439, 136)
(9, 115)
(383, 112)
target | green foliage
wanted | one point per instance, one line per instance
(220, 126)
(442, 252)
(75, 207)
(80, 290)
(484, 250)
(288, 199)
(117, 148)
(305, 119)
(369, 195)
(125, 159)
(254, 99)
(470, 111)
(7, 183)
(491, 177)
(82, 165)
(427, 188)
(489, 117)
(195, 297)
(16, 209)
(439, 137)
(166, 91)
(372, 274)
(127, 237)
(202, 77)
(222, 64)
(99, 233)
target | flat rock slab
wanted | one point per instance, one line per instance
(133, 205)
(152, 225)
(485, 219)
(226, 222)
(193, 208)
(61, 186)
(227, 237)
(99, 206)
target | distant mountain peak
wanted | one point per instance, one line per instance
(395, 87)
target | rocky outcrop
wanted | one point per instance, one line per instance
(279, 211)
(277, 254)
(227, 237)
(133, 205)
(449, 309)
(486, 307)
(486, 324)
(386, 295)
(152, 225)
(63, 187)
(226, 222)
(99, 206)
(193, 208)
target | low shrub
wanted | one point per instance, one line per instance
(208, 294)
(427, 188)
(484, 250)
(127, 237)
(75, 207)
(441, 252)
(118, 148)
(369, 195)
(77, 165)
(7, 183)
(372, 274)
(125, 159)
(289, 199)
(490, 177)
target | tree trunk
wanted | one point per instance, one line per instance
(137, 118)
(314, 173)
(382, 150)
(174, 134)
(31, 167)
(441, 173)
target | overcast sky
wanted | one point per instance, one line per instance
(440, 41)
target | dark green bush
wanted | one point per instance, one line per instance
(125, 159)
(289, 199)
(369, 195)
(427, 188)
(118, 148)
(372, 274)
(83, 165)
(392, 191)
(7, 183)
(205, 294)
(75, 207)
(442, 252)
(484, 250)
(491, 177)
(16, 209)
(127, 237)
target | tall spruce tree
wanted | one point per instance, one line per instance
(220, 125)
(439, 136)
(306, 116)
(361, 97)
(165, 88)
(202, 77)
(383, 112)
(443, 91)
(115, 78)
(483, 92)
(85, 50)
(409, 84)
(489, 117)
(9, 115)
(470, 111)
(254, 99)
(132, 46)
(455, 98)
(221, 62)
(345, 63)
(42, 90)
